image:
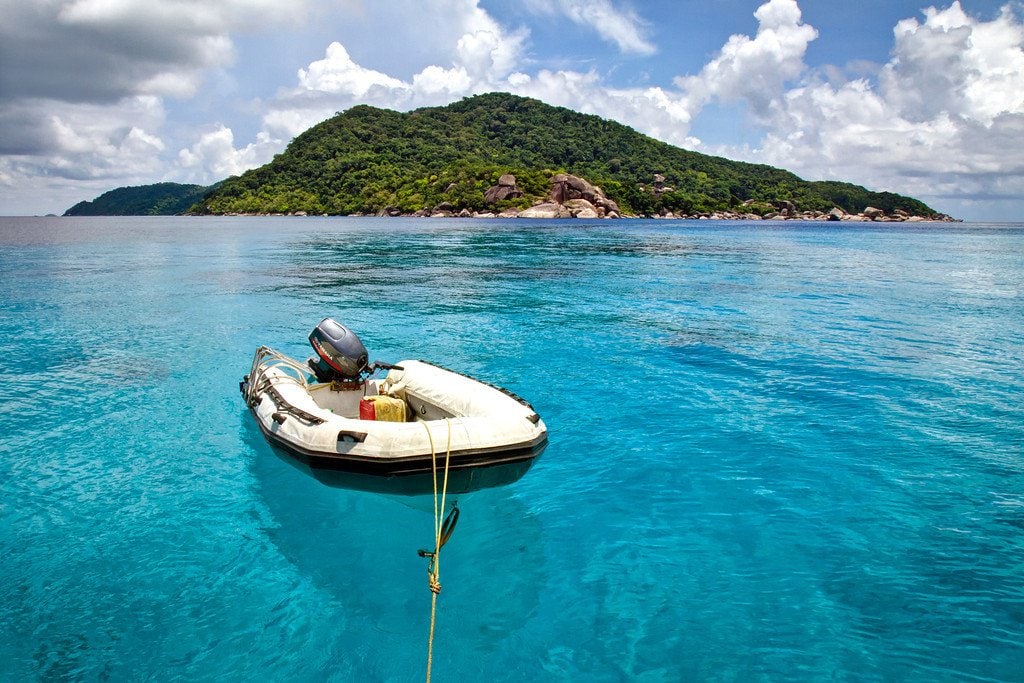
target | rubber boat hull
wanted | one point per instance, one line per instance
(490, 436)
(466, 473)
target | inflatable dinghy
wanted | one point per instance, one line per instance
(335, 420)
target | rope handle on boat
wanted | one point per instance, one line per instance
(284, 408)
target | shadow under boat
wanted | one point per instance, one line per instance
(495, 564)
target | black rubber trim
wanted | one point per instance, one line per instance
(349, 436)
(412, 465)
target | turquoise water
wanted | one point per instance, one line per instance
(777, 451)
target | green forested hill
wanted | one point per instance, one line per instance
(161, 199)
(366, 159)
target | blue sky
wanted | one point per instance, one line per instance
(911, 97)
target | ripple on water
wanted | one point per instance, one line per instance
(775, 452)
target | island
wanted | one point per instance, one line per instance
(501, 155)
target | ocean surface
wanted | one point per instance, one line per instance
(778, 451)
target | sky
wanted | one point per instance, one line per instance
(903, 96)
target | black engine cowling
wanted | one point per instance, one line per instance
(340, 355)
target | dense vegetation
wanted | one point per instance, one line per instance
(161, 199)
(367, 159)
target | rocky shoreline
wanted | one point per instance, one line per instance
(543, 211)
(575, 197)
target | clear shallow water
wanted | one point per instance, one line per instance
(777, 452)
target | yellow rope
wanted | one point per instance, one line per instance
(434, 570)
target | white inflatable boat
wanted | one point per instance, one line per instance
(419, 414)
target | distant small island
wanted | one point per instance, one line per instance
(500, 155)
(161, 199)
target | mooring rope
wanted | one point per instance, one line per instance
(442, 532)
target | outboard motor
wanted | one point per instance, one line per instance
(340, 355)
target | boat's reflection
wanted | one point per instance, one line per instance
(361, 550)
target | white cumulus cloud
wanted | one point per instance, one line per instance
(482, 57)
(76, 151)
(336, 73)
(756, 69)
(214, 156)
(954, 64)
(83, 83)
(945, 118)
(87, 141)
(444, 84)
(622, 27)
(103, 50)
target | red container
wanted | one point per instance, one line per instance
(366, 410)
